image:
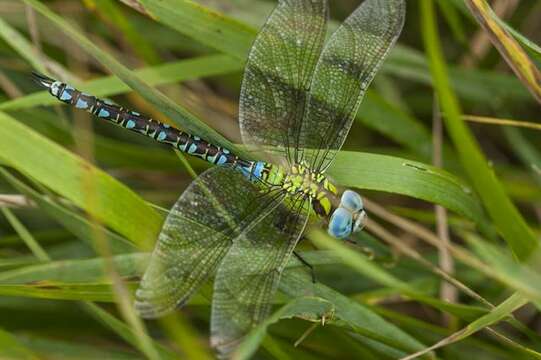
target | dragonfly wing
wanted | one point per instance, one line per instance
(247, 279)
(278, 72)
(346, 67)
(196, 235)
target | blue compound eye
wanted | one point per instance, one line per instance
(340, 223)
(352, 201)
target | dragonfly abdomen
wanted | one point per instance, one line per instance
(163, 133)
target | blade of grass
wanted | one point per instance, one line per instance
(129, 266)
(526, 151)
(523, 284)
(61, 171)
(308, 308)
(21, 45)
(73, 222)
(406, 177)
(60, 291)
(11, 348)
(358, 317)
(82, 280)
(501, 122)
(506, 217)
(517, 276)
(498, 313)
(202, 23)
(50, 348)
(67, 281)
(182, 70)
(534, 48)
(183, 334)
(468, 345)
(110, 11)
(369, 269)
(461, 6)
(510, 50)
(78, 271)
(23, 232)
(453, 20)
(127, 333)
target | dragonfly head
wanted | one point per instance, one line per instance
(349, 216)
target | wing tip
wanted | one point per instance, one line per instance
(224, 348)
(147, 310)
(148, 306)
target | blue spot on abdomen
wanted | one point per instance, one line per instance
(192, 149)
(221, 160)
(65, 96)
(130, 124)
(103, 113)
(161, 136)
(81, 104)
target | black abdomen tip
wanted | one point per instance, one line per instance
(42, 80)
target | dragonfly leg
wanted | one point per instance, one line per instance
(307, 264)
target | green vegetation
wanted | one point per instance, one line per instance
(448, 266)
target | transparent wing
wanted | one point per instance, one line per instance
(347, 65)
(278, 73)
(248, 277)
(196, 235)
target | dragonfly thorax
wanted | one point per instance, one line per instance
(300, 179)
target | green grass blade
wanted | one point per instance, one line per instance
(358, 317)
(509, 49)
(126, 333)
(378, 114)
(101, 292)
(202, 24)
(52, 348)
(26, 235)
(21, 45)
(76, 271)
(497, 314)
(454, 21)
(11, 348)
(520, 277)
(182, 70)
(308, 308)
(63, 172)
(526, 151)
(506, 217)
(72, 221)
(111, 12)
(406, 177)
(369, 269)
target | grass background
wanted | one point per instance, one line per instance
(450, 263)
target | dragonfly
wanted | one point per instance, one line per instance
(240, 221)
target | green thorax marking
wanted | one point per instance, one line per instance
(301, 180)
